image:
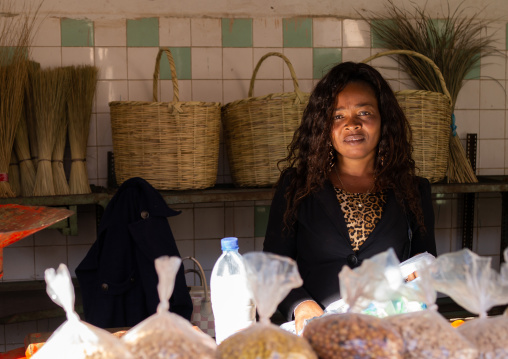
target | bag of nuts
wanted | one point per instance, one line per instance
(165, 334)
(472, 283)
(75, 339)
(270, 278)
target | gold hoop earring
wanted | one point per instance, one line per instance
(331, 156)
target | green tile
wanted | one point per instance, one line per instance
(323, 60)
(297, 32)
(76, 32)
(10, 53)
(375, 38)
(474, 73)
(143, 32)
(260, 220)
(237, 32)
(182, 59)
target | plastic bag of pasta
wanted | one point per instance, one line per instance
(75, 339)
(354, 334)
(270, 278)
(165, 334)
(472, 283)
(426, 333)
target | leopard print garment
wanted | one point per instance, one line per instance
(362, 211)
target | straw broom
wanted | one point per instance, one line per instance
(26, 166)
(454, 44)
(14, 175)
(59, 177)
(49, 88)
(29, 114)
(80, 102)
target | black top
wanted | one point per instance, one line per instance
(320, 244)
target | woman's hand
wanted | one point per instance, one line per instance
(306, 310)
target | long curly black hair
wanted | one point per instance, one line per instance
(309, 150)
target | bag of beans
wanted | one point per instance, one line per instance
(472, 283)
(270, 278)
(165, 334)
(75, 339)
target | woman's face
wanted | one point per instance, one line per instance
(356, 128)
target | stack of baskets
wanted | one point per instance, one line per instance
(174, 146)
(258, 130)
(429, 115)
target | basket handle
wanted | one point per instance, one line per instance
(174, 79)
(201, 274)
(298, 92)
(420, 56)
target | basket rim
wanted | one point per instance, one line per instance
(272, 96)
(168, 104)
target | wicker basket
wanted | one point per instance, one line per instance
(429, 114)
(257, 131)
(173, 145)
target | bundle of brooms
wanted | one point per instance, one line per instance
(453, 43)
(79, 112)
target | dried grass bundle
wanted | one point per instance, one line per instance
(26, 166)
(453, 43)
(29, 113)
(57, 163)
(14, 175)
(49, 88)
(84, 82)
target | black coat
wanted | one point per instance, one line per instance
(117, 276)
(319, 240)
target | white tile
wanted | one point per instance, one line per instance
(19, 263)
(237, 63)
(456, 239)
(110, 32)
(87, 229)
(49, 257)
(235, 90)
(108, 91)
(492, 95)
(77, 56)
(327, 32)
(305, 85)
(271, 68)
(206, 32)
(206, 63)
(443, 240)
(490, 171)
(467, 121)
(102, 161)
(207, 90)
(246, 245)
(258, 243)
(387, 66)
(91, 162)
(24, 242)
(489, 211)
(356, 33)
(354, 54)
(469, 95)
(141, 62)
(506, 155)
(141, 90)
(229, 221)
(112, 62)
(491, 153)
(182, 225)
(50, 237)
(267, 32)
(47, 56)
(207, 253)
(184, 90)
(186, 249)
(47, 32)
(174, 31)
(497, 31)
(209, 222)
(489, 241)
(104, 136)
(16, 332)
(92, 132)
(244, 222)
(76, 253)
(265, 87)
(301, 59)
(442, 212)
(492, 124)
(2, 335)
(493, 67)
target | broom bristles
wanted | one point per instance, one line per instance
(59, 177)
(459, 168)
(26, 167)
(14, 181)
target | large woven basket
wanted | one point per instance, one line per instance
(429, 115)
(173, 145)
(258, 130)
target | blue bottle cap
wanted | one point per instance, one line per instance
(229, 243)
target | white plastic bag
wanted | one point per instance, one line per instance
(270, 278)
(75, 339)
(165, 334)
(472, 283)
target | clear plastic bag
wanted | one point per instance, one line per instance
(165, 334)
(472, 283)
(75, 339)
(270, 278)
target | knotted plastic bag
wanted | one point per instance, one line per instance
(165, 334)
(75, 339)
(472, 283)
(354, 334)
(270, 278)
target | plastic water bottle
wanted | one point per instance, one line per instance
(232, 304)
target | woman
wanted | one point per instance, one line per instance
(349, 190)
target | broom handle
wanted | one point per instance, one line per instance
(415, 54)
(174, 79)
(298, 92)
